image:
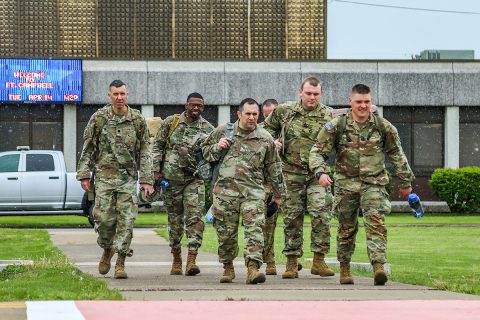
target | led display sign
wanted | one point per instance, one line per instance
(40, 80)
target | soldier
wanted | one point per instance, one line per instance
(294, 128)
(174, 160)
(246, 161)
(272, 215)
(115, 140)
(361, 140)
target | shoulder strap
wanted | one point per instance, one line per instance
(380, 127)
(341, 125)
(173, 125)
(286, 122)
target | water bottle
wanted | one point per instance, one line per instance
(163, 183)
(209, 216)
(416, 205)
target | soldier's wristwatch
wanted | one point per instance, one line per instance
(318, 175)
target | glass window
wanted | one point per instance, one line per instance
(9, 163)
(14, 134)
(40, 162)
(421, 134)
(469, 136)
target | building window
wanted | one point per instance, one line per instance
(469, 136)
(38, 126)
(421, 133)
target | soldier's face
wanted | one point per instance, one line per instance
(118, 96)
(247, 119)
(194, 108)
(361, 105)
(310, 95)
(267, 109)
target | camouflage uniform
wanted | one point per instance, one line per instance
(250, 161)
(113, 145)
(269, 228)
(185, 196)
(360, 179)
(304, 194)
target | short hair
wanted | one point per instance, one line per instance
(194, 95)
(247, 101)
(313, 81)
(361, 89)
(117, 84)
(270, 101)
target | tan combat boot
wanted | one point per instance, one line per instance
(380, 277)
(191, 268)
(291, 271)
(120, 267)
(105, 261)
(177, 263)
(253, 275)
(228, 273)
(345, 275)
(319, 266)
(271, 269)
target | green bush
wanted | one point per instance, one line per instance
(459, 188)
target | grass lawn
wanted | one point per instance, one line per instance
(66, 221)
(440, 251)
(51, 277)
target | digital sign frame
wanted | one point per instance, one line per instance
(40, 80)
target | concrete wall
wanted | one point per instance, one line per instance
(412, 83)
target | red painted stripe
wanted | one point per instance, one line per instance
(281, 310)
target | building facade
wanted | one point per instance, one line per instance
(227, 50)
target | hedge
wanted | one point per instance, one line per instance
(459, 188)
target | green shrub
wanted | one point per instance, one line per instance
(459, 188)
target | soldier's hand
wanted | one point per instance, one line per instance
(86, 184)
(147, 189)
(404, 192)
(223, 143)
(325, 180)
(278, 144)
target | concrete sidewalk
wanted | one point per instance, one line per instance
(149, 277)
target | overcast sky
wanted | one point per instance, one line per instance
(357, 31)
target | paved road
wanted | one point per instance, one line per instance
(151, 291)
(149, 277)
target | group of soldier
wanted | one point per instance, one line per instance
(279, 163)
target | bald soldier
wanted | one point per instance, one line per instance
(361, 140)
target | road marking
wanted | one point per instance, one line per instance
(53, 310)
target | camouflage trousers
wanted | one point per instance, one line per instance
(115, 211)
(374, 203)
(185, 203)
(226, 213)
(306, 195)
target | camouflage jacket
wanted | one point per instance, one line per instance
(174, 157)
(116, 145)
(300, 128)
(250, 161)
(361, 152)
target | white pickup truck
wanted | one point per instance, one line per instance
(37, 182)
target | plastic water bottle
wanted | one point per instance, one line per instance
(209, 216)
(163, 183)
(416, 205)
